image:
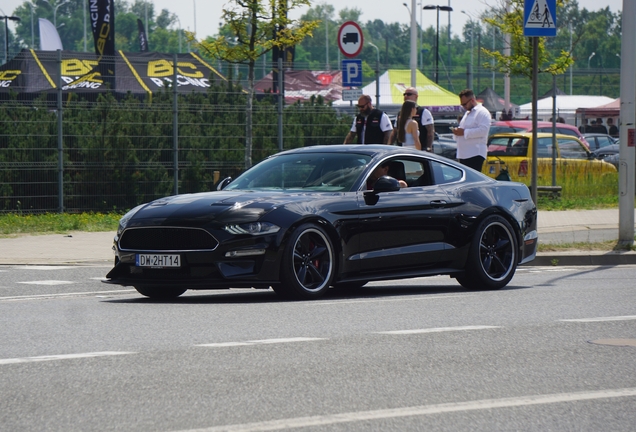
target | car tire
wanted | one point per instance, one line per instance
(492, 258)
(308, 263)
(161, 292)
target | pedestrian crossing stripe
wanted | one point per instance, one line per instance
(540, 16)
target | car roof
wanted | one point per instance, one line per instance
(529, 135)
(375, 150)
(528, 124)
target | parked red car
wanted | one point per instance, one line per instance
(504, 126)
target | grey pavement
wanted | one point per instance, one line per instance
(555, 227)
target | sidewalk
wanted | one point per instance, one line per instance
(554, 227)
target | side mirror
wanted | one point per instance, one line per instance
(223, 183)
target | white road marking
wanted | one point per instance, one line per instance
(42, 267)
(49, 296)
(437, 330)
(62, 357)
(48, 282)
(385, 299)
(422, 410)
(601, 319)
(259, 342)
(98, 278)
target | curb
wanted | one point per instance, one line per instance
(584, 258)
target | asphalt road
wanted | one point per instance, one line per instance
(555, 350)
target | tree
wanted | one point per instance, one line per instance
(519, 62)
(257, 26)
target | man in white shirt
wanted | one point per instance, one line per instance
(472, 134)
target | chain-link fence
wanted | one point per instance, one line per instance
(70, 141)
(109, 151)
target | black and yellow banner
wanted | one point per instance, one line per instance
(33, 72)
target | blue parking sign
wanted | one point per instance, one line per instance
(352, 73)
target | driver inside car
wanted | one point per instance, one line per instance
(382, 170)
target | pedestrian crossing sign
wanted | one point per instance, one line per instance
(539, 18)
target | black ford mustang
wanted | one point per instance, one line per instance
(303, 221)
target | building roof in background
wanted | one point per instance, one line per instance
(301, 85)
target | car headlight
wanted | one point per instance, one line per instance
(126, 218)
(252, 228)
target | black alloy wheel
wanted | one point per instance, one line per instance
(308, 263)
(492, 259)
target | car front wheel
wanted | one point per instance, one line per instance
(492, 259)
(308, 263)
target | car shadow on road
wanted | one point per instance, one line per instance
(269, 296)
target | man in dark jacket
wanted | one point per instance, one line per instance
(372, 126)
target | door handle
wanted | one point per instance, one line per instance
(438, 203)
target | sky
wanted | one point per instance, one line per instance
(208, 12)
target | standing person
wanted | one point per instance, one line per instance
(600, 126)
(613, 129)
(408, 132)
(424, 121)
(472, 134)
(584, 126)
(372, 126)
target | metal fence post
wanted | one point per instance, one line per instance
(175, 126)
(60, 143)
(281, 98)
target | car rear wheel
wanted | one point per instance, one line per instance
(492, 259)
(308, 263)
(161, 292)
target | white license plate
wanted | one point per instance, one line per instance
(157, 260)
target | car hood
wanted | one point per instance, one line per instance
(205, 208)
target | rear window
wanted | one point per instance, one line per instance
(508, 146)
(505, 129)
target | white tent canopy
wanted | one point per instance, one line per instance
(566, 106)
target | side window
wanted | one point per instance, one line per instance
(544, 147)
(603, 141)
(566, 131)
(498, 146)
(443, 173)
(571, 149)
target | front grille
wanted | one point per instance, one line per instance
(167, 239)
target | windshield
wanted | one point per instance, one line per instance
(304, 171)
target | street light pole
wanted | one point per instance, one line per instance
(438, 8)
(55, 8)
(33, 6)
(377, 75)
(449, 36)
(413, 59)
(590, 58)
(420, 56)
(84, 13)
(6, 35)
(179, 21)
(413, 47)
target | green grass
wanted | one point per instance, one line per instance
(15, 224)
(580, 192)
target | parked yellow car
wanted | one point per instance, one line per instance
(514, 152)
